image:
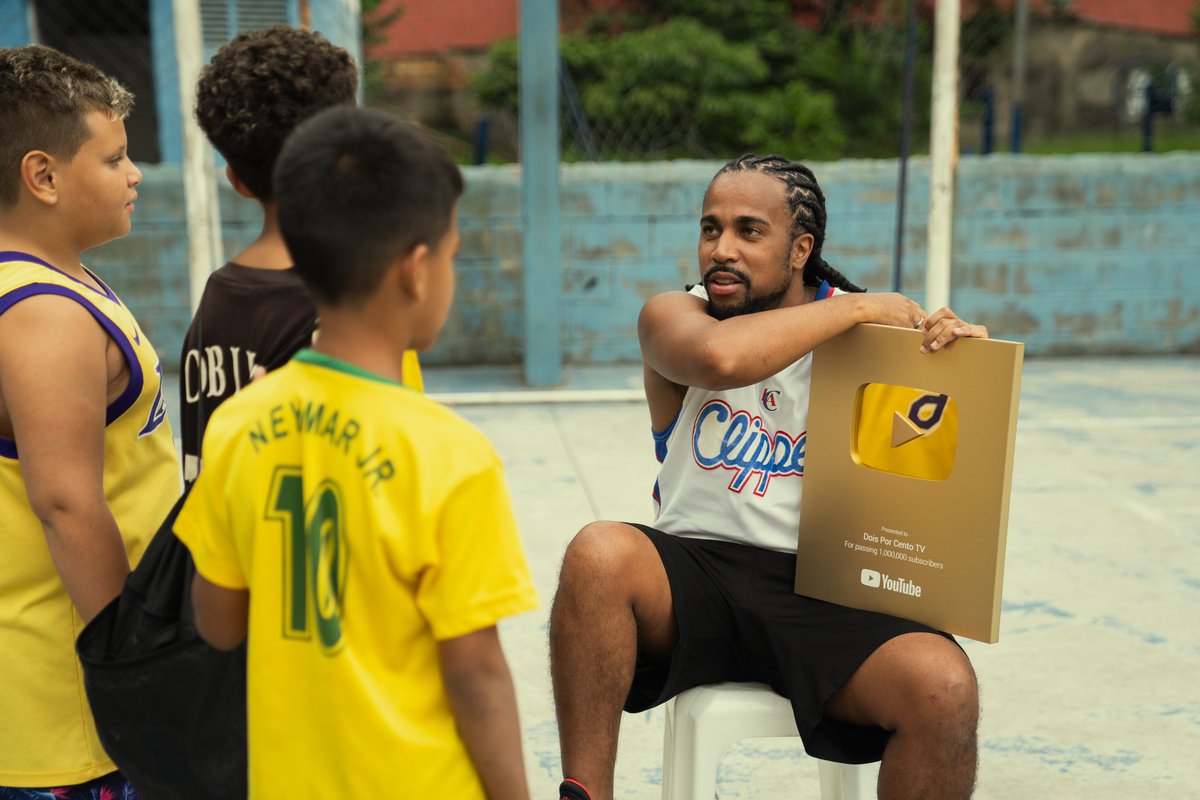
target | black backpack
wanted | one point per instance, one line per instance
(169, 709)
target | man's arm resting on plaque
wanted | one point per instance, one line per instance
(686, 346)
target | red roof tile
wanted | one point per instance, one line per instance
(1158, 16)
(435, 26)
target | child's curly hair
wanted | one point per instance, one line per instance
(260, 86)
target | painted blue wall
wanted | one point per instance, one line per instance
(1070, 254)
(148, 268)
(14, 23)
(1089, 253)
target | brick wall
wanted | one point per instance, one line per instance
(1070, 254)
(1082, 254)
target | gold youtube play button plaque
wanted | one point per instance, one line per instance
(907, 477)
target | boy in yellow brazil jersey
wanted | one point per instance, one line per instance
(87, 460)
(356, 533)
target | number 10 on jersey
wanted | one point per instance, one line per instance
(315, 556)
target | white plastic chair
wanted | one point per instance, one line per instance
(703, 722)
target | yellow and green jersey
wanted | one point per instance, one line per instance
(368, 523)
(413, 378)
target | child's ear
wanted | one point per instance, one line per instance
(237, 184)
(413, 269)
(39, 176)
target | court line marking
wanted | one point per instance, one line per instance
(1089, 423)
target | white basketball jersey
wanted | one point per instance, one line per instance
(733, 461)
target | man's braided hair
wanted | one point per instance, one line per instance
(807, 204)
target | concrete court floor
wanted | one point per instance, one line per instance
(1093, 690)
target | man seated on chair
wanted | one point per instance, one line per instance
(706, 595)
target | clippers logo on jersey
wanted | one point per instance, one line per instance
(770, 399)
(158, 409)
(737, 441)
(906, 431)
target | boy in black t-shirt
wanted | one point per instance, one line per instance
(255, 312)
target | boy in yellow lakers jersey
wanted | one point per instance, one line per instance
(359, 534)
(87, 461)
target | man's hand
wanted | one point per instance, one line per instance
(944, 327)
(891, 308)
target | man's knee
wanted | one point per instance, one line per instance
(615, 565)
(914, 681)
(947, 689)
(601, 551)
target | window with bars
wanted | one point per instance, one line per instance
(115, 37)
(221, 20)
(118, 35)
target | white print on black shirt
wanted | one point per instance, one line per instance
(210, 372)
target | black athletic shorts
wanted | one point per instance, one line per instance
(739, 619)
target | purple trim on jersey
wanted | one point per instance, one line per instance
(16, 255)
(8, 447)
(109, 293)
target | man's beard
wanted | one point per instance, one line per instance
(751, 305)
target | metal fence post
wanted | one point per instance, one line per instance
(1018, 102)
(541, 242)
(199, 182)
(943, 153)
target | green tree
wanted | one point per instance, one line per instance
(714, 78)
(644, 90)
(372, 23)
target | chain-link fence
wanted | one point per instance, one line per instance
(818, 79)
(815, 80)
(653, 79)
(1080, 75)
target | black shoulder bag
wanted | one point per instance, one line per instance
(169, 709)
